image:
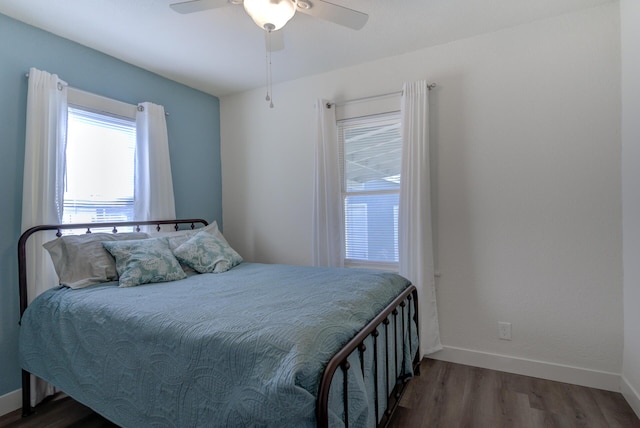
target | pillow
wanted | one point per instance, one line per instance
(207, 253)
(81, 260)
(144, 261)
(179, 237)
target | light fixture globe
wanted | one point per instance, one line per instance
(270, 15)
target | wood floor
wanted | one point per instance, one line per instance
(445, 395)
(454, 395)
(60, 412)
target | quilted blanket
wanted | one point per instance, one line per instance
(243, 348)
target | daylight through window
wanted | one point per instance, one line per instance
(100, 167)
(370, 160)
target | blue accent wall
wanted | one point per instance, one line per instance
(194, 140)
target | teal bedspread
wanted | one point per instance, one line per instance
(238, 349)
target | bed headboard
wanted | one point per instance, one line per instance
(22, 242)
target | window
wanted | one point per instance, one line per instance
(370, 159)
(101, 141)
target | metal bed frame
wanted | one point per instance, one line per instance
(402, 303)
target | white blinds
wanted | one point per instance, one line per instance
(370, 159)
(100, 167)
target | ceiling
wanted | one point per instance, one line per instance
(221, 51)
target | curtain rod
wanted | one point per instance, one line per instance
(138, 107)
(430, 86)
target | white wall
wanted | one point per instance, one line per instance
(526, 140)
(630, 31)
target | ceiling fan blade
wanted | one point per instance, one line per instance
(277, 41)
(197, 5)
(332, 12)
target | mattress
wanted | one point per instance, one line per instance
(243, 348)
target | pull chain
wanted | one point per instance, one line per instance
(269, 97)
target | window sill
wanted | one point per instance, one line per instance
(386, 266)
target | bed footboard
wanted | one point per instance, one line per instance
(407, 301)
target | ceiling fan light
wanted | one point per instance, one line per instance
(270, 15)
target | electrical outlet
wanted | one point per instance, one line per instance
(504, 330)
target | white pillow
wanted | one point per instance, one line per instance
(82, 260)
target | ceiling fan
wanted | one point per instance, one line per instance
(271, 15)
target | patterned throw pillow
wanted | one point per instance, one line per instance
(207, 253)
(144, 261)
(177, 238)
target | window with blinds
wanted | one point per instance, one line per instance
(370, 159)
(100, 167)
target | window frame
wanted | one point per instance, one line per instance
(97, 104)
(364, 112)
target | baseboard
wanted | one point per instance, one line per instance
(631, 395)
(10, 402)
(540, 369)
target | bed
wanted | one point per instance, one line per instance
(252, 345)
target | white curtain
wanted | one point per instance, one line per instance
(415, 241)
(44, 171)
(43, 184)
(153, 198)
(327, 200)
